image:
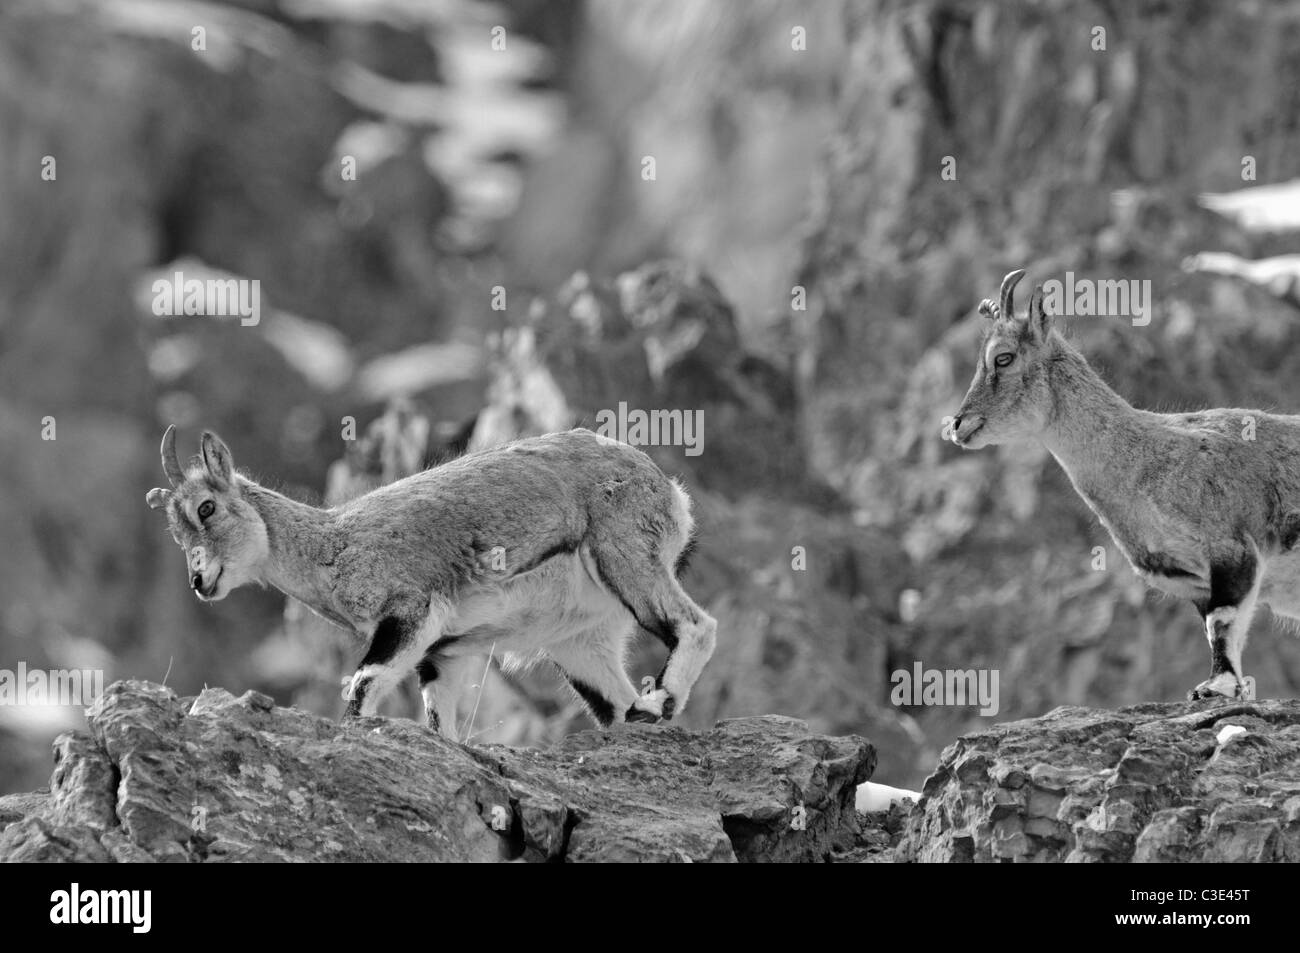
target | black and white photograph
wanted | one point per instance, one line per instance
(651, 431)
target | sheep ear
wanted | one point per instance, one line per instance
(157, 497)
(217, 460)
(988, 309)
(1040, 322)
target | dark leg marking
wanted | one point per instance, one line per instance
(1230, 583)
(426, 670)
(596, 703)
(1219, 657)
(637, 714)
(386, 641)
(384, 644)
(662, 629)
(665, 630)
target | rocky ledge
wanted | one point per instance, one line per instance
(219, 778)
(1201, 781)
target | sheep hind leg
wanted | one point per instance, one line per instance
(442, 677)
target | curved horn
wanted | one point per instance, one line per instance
(171, 466)
(1006, 294)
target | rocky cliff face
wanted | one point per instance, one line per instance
(219, 778)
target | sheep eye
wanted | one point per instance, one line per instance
(206, 509)
(1002, 360)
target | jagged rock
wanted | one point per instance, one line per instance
(220, 778)
(1146, 783)
(878, 837)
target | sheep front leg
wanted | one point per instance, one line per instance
(393, 650)
(1234, 589)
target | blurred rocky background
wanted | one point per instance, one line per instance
(799, 267)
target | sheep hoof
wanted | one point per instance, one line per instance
(635, 714)
(652, 701)
(1225, 685)
(655, 705)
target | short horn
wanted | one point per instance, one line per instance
(171, 466)
(1006, 294)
